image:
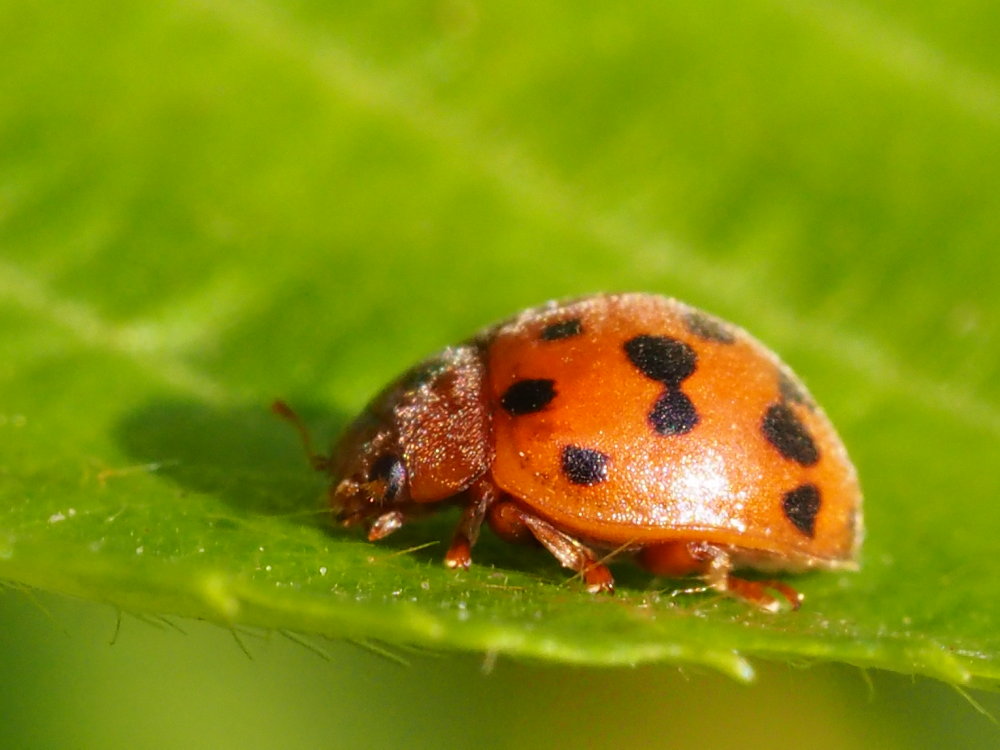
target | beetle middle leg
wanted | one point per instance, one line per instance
(513, 523)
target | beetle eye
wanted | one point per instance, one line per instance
(388, 468)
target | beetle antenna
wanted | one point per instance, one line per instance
(283, 410)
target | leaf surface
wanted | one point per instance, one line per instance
(205, 205)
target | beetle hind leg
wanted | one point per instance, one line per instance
(720, 577)
(676, 559)
(756, 592)
(514, 524)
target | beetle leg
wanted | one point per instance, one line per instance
(480, 497)
(671, 559)
(511, 522)
(720, 577)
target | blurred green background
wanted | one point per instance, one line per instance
(158, 688)
(224, 201)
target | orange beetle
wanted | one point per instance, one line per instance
(629, 422)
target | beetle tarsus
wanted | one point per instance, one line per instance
(598, 579)
(459, 555)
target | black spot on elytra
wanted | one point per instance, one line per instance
(670, 362)
(785, 432)
(708, 327)
(564, 329)
(673, 413)
(800, 506)
(390, 469)
(584, 465)
(528, 396)
(661, 358)
(792, 390)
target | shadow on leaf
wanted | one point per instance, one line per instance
(245, 455)
(253, 461)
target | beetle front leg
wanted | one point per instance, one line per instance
(481, 496)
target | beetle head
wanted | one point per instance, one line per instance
(369, 474)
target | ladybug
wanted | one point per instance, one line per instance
(625, 422)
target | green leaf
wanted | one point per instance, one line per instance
(204, 205)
